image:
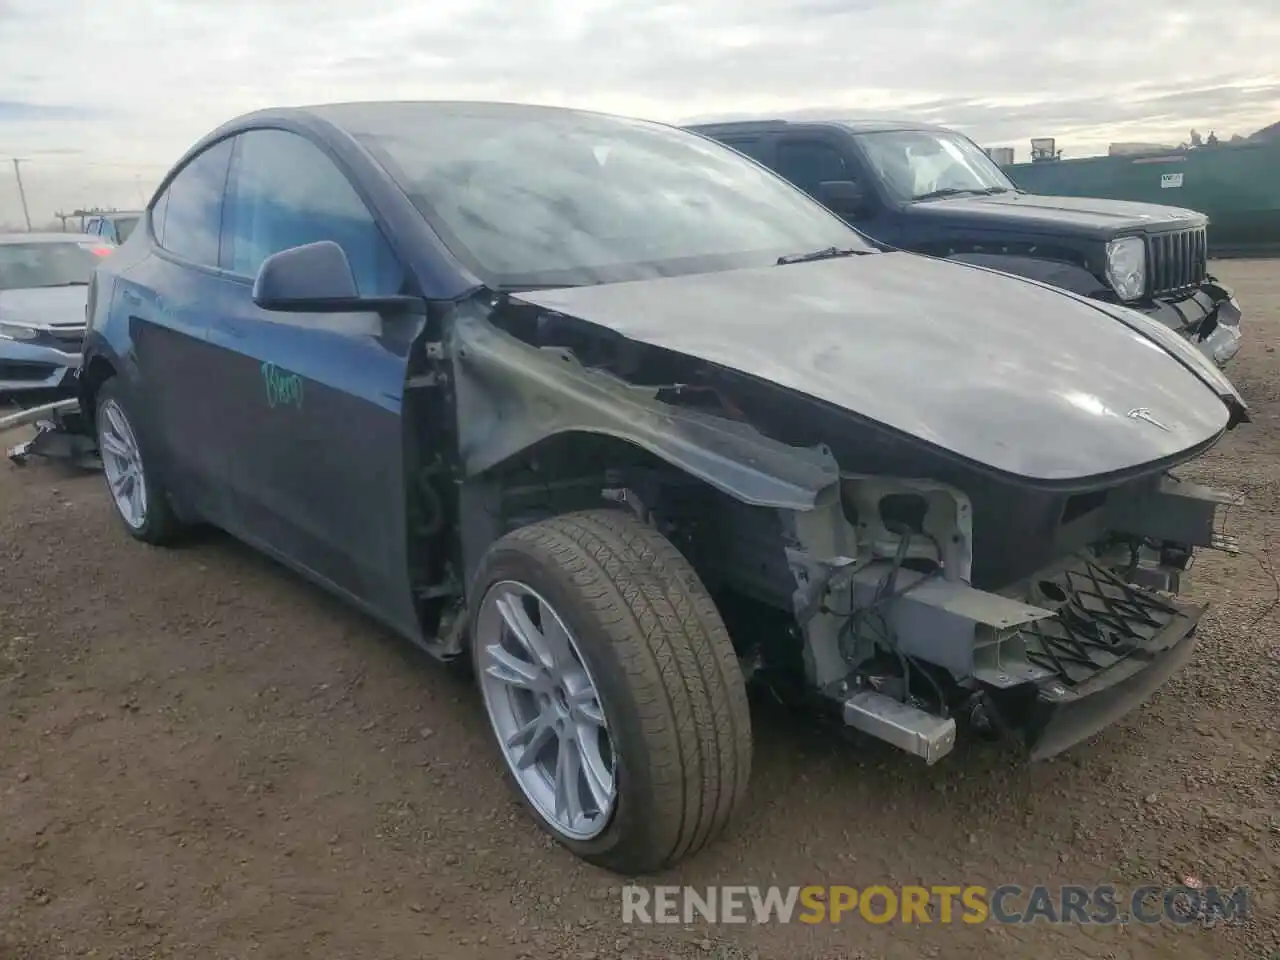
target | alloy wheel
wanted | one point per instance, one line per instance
(546, 710)
(122, 463)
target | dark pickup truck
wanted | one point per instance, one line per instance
(934, 191)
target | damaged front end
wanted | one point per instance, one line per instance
(912, 600)
(897, 634)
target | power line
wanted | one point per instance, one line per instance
(22, 193)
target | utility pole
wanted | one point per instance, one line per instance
(22, 194)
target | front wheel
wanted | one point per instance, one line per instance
(612, 687)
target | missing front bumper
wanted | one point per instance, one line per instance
(1061, 722)
(1110, 647)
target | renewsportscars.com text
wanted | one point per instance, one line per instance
(944, 904)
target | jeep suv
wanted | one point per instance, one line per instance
(931, 190)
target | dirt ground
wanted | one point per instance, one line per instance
(203, 757)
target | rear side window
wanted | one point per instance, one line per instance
(807, 163)
(189, 215)
(286, 192)
(753, 147)
(123, 228)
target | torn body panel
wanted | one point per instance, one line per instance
(903, 599)
(512, 396)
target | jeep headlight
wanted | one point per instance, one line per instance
(1127, 267)
(17, 331)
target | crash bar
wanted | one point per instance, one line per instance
(33, 414)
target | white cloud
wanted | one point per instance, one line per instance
(101, 98)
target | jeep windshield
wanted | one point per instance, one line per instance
(567, 199)
(930, 164)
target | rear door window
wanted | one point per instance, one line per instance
(757, 148)
(809, 162)
(192, 204)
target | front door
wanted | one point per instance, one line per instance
(316, 466)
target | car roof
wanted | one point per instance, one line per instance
(116, 214)
(342, 113)
(855, 125)
(48, 236)
(383, 116)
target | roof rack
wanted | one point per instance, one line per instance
(744, 125)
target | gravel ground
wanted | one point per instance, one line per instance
(201, 756)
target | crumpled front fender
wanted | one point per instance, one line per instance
(511, 396)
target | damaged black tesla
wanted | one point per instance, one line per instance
(627, 422)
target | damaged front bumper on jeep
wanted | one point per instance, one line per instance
(1053, 659)
(1209, 317)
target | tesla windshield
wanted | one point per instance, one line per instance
(580, 198)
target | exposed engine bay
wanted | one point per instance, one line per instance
(858, 569)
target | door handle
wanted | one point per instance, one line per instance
(232, 329)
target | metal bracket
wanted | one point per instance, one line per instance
(55, 438)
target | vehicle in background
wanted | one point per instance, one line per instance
(931, 190)
(623, 419)
(114, 227)
(43, 280)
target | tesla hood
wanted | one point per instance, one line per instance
(1010, 374)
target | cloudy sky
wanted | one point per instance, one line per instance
(100, 97)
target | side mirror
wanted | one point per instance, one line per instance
(845, 197)
(317, 278)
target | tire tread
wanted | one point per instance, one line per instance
(684, 676)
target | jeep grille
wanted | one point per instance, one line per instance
(1177, 261)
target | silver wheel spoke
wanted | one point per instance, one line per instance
(588, 707)
(599, 780)
(135, 497)
(113, 445)
(522, 628)
(556, 642)
(510, 669)
(532, 738)
(118, 427)
(539, 692)
(568, 777)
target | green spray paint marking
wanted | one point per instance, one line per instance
(283, 388)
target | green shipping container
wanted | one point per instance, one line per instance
(1236, 184)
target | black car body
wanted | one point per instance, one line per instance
(931, 190)
(566, 394)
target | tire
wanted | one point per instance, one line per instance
(668, 681)
(156, 523)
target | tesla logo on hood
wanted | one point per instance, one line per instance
(1143, 414)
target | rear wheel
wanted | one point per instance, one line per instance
(612, 687)
(141, 501)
